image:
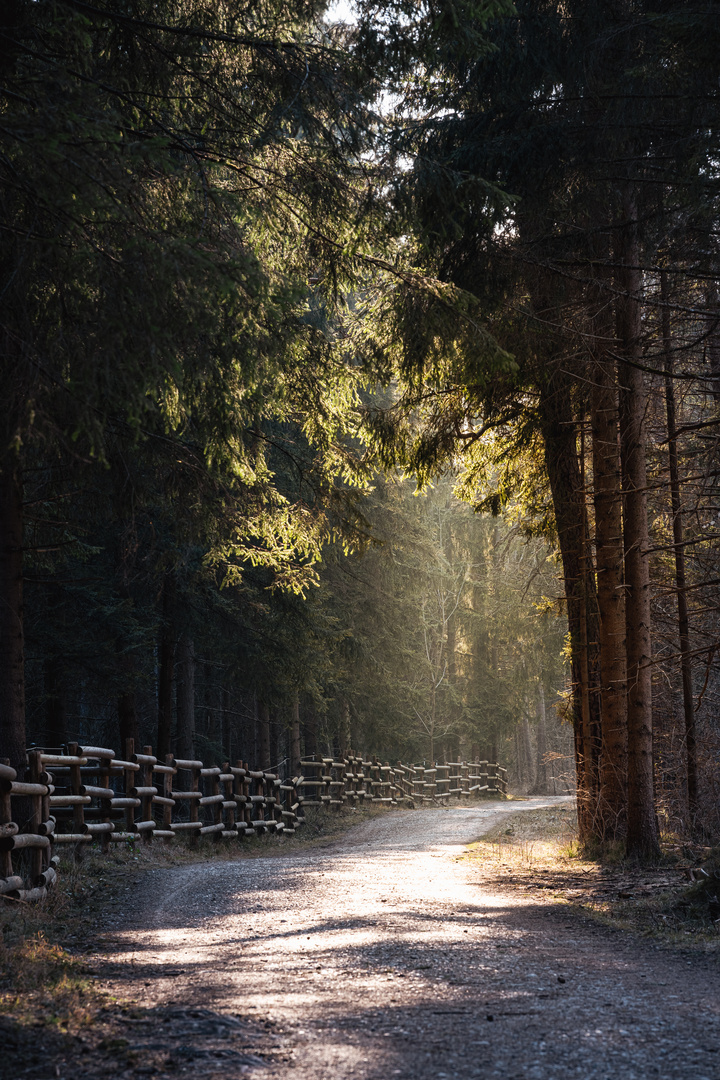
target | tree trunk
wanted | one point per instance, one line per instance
(310, 728)
(642, 837)
(449, 714)
(453, 746)
(519, 759)
(227, 740)
(607, 485)
(712, 299)
(344, 733)
(185, 699)
(12, 642)
(527, 746)
(166, 667)
(212, 714)
(127, 718)
(295, 753)
(55, 726)
(541, 771)
(561, 460)
(124, 567)
(679, 547)
(263, 725)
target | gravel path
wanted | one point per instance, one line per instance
(383, 955)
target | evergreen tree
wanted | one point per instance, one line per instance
(581, 116)
(171, 184)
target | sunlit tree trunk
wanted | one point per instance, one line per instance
(541, 770)
(519, 760)
(527, 745)
(449, 714)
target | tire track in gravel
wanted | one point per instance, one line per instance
(379, 956)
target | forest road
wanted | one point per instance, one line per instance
(383, 955)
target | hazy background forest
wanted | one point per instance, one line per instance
(361, 383)
(437, 641)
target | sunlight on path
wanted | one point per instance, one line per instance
(378, 956)
(404, 862)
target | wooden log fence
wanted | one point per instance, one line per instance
(85, 794)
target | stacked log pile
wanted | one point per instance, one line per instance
(83, 795)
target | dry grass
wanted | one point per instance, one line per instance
(41, 982)
(534, 839)
(537, 853)
(44, 979)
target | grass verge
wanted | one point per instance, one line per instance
(537, 853)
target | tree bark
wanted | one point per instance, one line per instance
(518, 756)
(541, 770)
(212, 714)
(449, 716)
(344, 732)
(263, 730)
(186, 699)
(679, 549)
(125, 555)
(12, 640)
(55, 725)
(712, 299)
(295, 753)
(607, 485)
(227, 730)
(166, 667)
(451, 713)
(310, 728)
(561, 461)
(453, 746)
(642, 836)
(527, 745)
(127, 718)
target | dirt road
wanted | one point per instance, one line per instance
(380, 956)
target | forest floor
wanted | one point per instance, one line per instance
(405, 947)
